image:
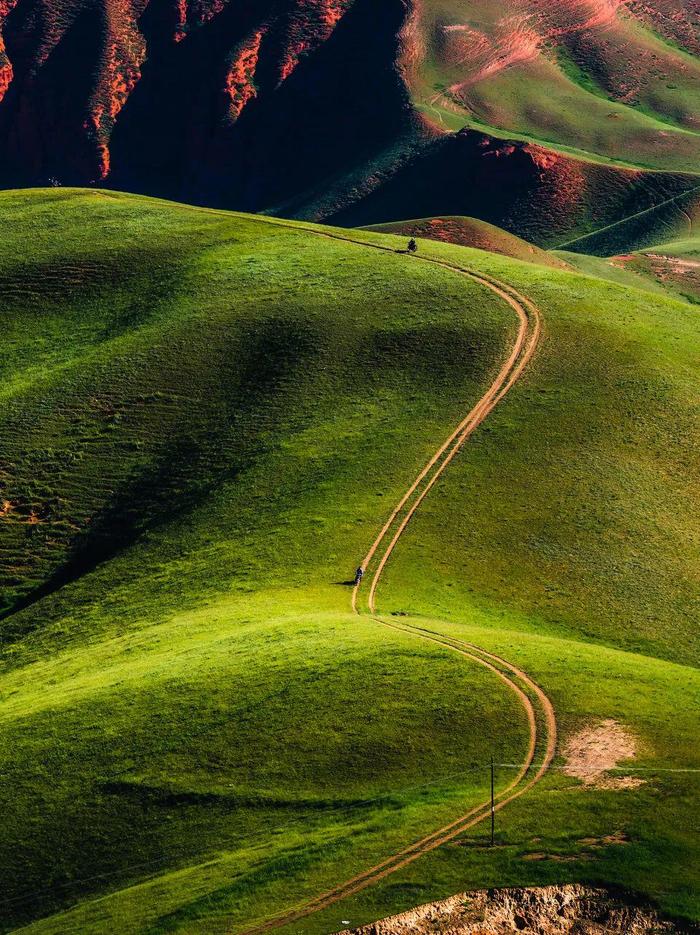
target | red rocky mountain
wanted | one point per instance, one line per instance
(297, 107)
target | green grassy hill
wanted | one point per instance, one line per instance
(592, 78)
(471, 232)
(612, 269)
(207, 418)
(667, 269)
(199, 409)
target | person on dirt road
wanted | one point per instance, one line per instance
(359, 575)
(412, 246)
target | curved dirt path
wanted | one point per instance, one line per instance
(525, 345)
(537, 706)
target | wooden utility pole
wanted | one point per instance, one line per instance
(493, 808)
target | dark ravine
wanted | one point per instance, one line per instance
(547, 910)
(234, 104)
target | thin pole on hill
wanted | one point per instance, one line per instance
(493, 807)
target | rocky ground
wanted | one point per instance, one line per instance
(548, 910)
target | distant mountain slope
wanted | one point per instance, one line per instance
(195, 98)
(671, 218)
(604, 77)
(544, 197)
(312, 108)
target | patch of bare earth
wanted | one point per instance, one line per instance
(607, 840)
(596, 750)
(682, 273)
(546, 910)
(589, 847)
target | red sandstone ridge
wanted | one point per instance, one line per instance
(307, 27)
(123, 55)
(115, 42)
(6, 71)
(311, 23)
(240, 80)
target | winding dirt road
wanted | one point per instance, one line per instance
(537, 706)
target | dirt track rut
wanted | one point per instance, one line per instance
(537, 706)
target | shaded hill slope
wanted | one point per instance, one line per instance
(542, 196)
(671, 218)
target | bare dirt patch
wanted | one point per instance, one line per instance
(618, 837)
(589, 847)
(557, 858)
(546, 910)
(594, 751)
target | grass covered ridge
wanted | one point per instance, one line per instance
(207, 418)
(589, 78)
(471, 232)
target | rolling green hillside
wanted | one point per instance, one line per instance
(206, 419)
(612, 269)
(597, 78)
(668, 269)
(155, 708)
(471, 232)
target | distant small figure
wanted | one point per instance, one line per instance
(412, 246)
(359, 575)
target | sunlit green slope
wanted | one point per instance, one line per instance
(665, 268)
(673, 266)
(207, 418)
(219, 410)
